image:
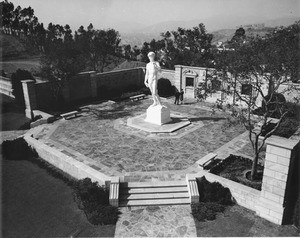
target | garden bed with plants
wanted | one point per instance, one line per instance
(238, 169)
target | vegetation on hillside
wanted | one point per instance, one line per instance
(257, 61)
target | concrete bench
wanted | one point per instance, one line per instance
(85, 108)
(69, 114)
(206, 159)
(137, 97)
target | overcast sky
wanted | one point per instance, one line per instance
(114, 13)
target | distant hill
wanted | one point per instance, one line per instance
(220, 26)
(227, 34)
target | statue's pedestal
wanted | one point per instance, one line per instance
(158, 115)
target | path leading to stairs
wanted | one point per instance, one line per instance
(156, 221)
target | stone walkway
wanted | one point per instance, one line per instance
(156, 221)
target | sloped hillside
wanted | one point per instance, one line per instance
(11, 47)
(226, 34)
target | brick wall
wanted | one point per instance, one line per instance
(280, 152)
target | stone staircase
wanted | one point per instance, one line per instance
(153, 193)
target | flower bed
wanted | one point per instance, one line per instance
(236, 168)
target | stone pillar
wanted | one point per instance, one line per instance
(271, 204)
(114, 191)
(178, 77)
(193, 188)
(29, 97)
(93, 84)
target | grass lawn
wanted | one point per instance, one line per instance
(237, 221)
(35, 204)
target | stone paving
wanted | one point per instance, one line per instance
(156, 221)
(99, 135)
(101, 139)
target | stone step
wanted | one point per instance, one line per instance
(153, 184)
(156, 202)
(149, 196)
(154, 190)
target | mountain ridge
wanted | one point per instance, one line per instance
(146, 34)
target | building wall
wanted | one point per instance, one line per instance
(89, 85)
(168, 74)
(121, 79)
(182, 72)
(6, 86)
(44, 97)
(80, 87)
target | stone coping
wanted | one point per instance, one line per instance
(282, 142)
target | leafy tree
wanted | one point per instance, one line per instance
(262, 62)
(7, 15)
(17, 87)
(98, 46)
(62, 58)
(184, 46)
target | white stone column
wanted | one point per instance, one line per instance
(29, 97)
(271, 204)
(93, 84)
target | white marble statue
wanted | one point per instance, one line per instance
(152, 69)
(157, 113)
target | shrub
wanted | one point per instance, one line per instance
(164, 87)
(17, 149)
(287, 127)
(37, 117)
(94, 201)
(213, 199)
(206, 211)
(213, 192)
(26, 125)
(52, 119)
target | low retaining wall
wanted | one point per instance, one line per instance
(269, 203)
(243, 195)
(66, 163)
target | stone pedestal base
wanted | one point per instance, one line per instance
(158, 115)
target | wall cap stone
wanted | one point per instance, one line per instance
(192, 67)
(282, 142)
(28, 81)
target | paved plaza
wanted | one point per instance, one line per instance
(102, 137)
